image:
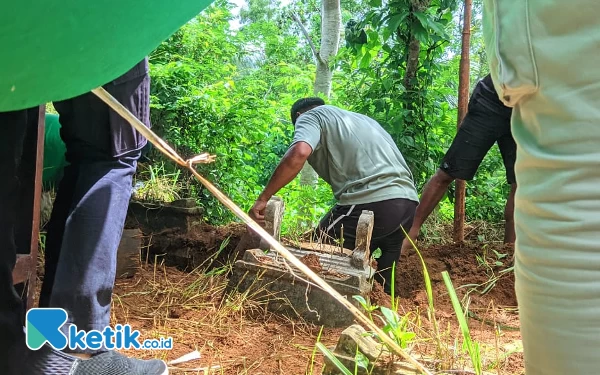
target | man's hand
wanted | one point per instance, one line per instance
(286, 171)
(257, 212)
(413, 233)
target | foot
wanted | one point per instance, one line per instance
(113, 363)
(48, 361)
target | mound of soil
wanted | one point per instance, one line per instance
(468, 272)
(251, 339)
(202, 246)
(378, 297)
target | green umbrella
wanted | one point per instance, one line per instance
(55, 50)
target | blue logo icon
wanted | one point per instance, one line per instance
(43, 325)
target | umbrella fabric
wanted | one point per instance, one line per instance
(58, 50)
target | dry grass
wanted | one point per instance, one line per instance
(236, 335)
(233, 331)
(435, 231)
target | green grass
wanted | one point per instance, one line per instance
(471, 346)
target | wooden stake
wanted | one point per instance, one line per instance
(463, 103)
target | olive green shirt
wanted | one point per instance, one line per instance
(354, 155)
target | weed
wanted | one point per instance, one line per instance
(429, 292)
(339, 365)
(155, 184)
(471, 346)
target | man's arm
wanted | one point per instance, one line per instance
(433, 192)
(290, 165)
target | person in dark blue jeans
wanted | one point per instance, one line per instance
(84, 230)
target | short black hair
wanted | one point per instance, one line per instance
(304, 103)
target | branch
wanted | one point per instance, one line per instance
(308, 38)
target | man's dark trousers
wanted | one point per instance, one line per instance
(13, 126)
(90, 208)
(91, 204)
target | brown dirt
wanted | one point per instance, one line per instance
(260, 343)
(312, 262)
(244, 339)
(470, 277)
(466, 272)
(378, 297)
(198, 247)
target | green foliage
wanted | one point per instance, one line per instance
(418, 108)
(329, 354)
(305, 206)
(156, 184)
(228, 91)
(397, 327)
(202, 101)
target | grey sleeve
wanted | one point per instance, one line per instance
(308, 129)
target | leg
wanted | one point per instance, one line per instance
(14, 125)
(87, 225)
(476, 135)
(508, 150)
(546, 68)
(92, 202)
(391, 217)
(55, 229)
(339, 226)
(90, 240)
(390, 247)
(433, 192)
(509, 220)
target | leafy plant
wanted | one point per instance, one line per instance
(397, 327)
(471, 346)
(429, 292)
(366, 305)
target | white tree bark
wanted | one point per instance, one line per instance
(331, 23)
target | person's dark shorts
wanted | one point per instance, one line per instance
(390, 216)
(486, 122)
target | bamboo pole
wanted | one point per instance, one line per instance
(463, 103)
(285, 253)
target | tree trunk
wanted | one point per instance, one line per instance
(412, 63)
(331, 22)
(414, 50)
(463, 103)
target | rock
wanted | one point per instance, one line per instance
(364, 231)
(356, 336)
(154, 217)
(184, 203)
(273, 219)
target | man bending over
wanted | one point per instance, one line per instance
(365, 169)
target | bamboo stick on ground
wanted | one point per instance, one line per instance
(285, 253)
